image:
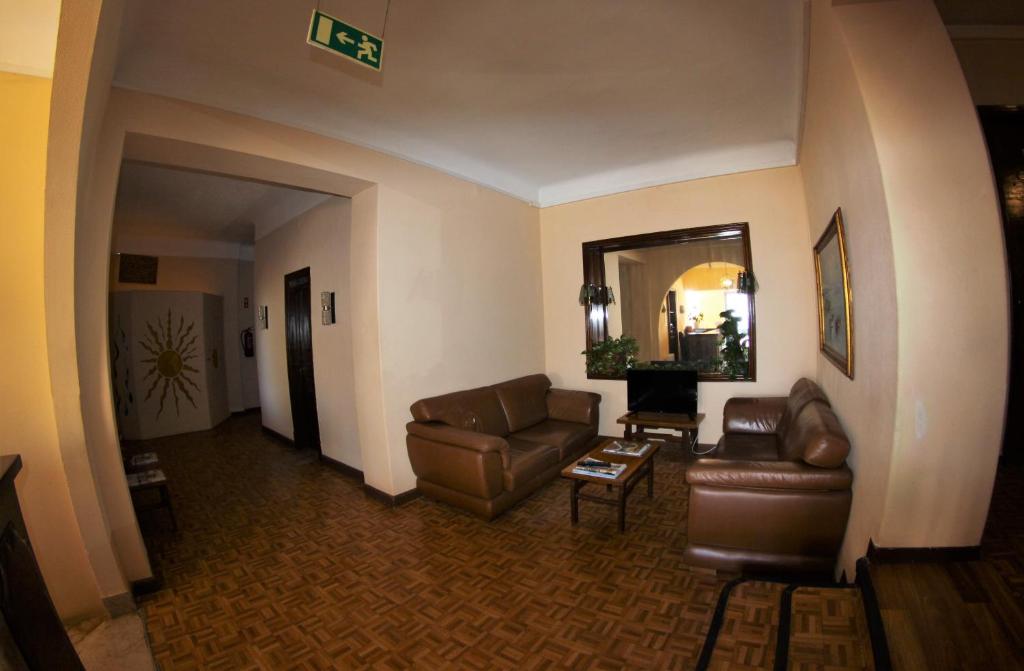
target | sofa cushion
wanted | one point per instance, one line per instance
(569, 437)
(527, 461)
(473, 410)
(787, 475)
(524, 400)
(816, 437)
(753, 415)
(747, 446)
(804, 391)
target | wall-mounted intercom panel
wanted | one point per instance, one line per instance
(326, 308)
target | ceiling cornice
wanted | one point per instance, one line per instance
(979, 32)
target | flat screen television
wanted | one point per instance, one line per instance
(662, 390)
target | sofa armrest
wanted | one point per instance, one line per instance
(583, 407)
(470, 440)
(464, 461)
(753, 415)
(789, 475)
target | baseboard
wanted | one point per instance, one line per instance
(279, 437)
(873, 615)
(889, 555)
(342, 468)
(247, 411)
(391, 499)
(119, 604)
(149, 585)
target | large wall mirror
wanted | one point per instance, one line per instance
(668, 291)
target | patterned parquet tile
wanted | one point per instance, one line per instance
(828, 630)
(282, 563)
(747, 637)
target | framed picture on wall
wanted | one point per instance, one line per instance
(835, 310)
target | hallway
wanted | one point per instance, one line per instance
(282, 562)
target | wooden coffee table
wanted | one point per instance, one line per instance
(658, 420)
(636, 469)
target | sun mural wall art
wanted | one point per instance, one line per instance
(171, 350)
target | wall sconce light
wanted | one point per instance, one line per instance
(326, 308)
(261, 317)
(727, 283)
(746, 283)
(596, 294)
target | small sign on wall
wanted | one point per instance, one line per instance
(136, 269)
(331, 34)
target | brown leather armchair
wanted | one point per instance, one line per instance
(485, 449)
(775, 495)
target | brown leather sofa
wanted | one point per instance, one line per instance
(775, 495)
(485, 449)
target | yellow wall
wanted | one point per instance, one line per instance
(948, 250)
(320, 240)
(26, 404)
(891, 135)
(772, 201)
(839, 166)
(437, 288)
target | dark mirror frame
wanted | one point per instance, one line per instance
(595, 316)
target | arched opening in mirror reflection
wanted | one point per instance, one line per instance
(671, 288)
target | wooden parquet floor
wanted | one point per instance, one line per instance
(282, 563)
(962, 614)
(827, 630)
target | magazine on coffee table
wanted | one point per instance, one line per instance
(146, 478)
(144, 459)
(627, 448)
(598, 469)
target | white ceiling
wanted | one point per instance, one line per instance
(547, 100)
(166, 203)
(28, 36)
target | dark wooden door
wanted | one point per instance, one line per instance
(34, 636)
(672, 324)
(299, 346)
(1004, 133)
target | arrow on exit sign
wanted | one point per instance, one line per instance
(338, 37)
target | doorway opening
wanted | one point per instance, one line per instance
(1004, 135)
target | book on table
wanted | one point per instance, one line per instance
(146, 478)
(598, 469)
(627, 448)
(144, 459)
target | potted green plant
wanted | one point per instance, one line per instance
(734, 346)
(611, 357)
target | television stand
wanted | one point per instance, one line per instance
(661, 420)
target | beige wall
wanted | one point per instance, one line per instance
(319, 240)
(232, 280)
(772, 201)
(891, 135)
(839, 166)
(476, 322)
(26, 403)
(948, 251)
(76, 265)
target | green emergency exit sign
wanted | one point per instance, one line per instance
(338, 37)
